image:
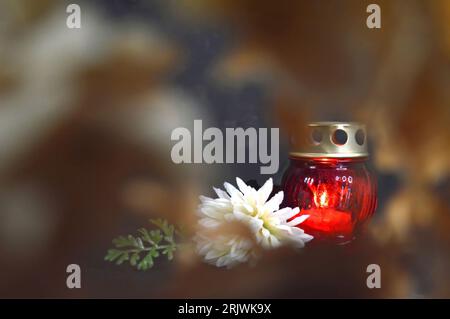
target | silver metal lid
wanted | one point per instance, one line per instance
(331, 139)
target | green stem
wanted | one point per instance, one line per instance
(139, 250)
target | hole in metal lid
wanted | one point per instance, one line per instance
(316, 136)
(360, 136)
(339, 137)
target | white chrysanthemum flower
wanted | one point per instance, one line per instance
(225, 250)
(264, 216)
(266, 220)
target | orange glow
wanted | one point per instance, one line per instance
(321, 197)
(324, 200)
(327, 220)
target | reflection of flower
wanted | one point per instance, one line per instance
(224, 250)
(266, 220)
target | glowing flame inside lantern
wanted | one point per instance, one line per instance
(323, 200)
(320, 195)
(325, 216)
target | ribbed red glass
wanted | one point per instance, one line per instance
(339, 195)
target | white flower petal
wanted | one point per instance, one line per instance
(298, 233)
(298, 220)
(213, 254)
(265, 232)
(249, 208)
(256, 224)
(204, 199)
(240, 215)
(224, 251)
(275, 242)
(223, 261)
(244, 188)
(211, 212)
(274, 203)
(265, 191)
(233, 191)
(209, 222)
(221, 193)
(284, 213)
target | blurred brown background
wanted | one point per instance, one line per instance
(86, 117)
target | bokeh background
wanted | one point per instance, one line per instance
(86, 116)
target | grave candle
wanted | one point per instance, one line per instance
(328, 179)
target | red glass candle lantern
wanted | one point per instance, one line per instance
(328, 179)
